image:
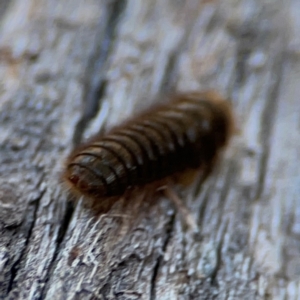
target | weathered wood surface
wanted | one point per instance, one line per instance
(69, 67)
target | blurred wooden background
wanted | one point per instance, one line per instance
(69, 67)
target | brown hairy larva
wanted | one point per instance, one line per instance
(186, 133)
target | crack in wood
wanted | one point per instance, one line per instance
(94, 82)
(60, 238)
(15, 265)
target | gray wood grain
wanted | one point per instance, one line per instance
(70, 68)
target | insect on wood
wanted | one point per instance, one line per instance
(186, 133)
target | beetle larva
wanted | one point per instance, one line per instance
(186, 133)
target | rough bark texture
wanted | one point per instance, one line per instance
(70, 67)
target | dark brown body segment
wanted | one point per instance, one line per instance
(186, 133)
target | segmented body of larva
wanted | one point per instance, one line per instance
(188, 132)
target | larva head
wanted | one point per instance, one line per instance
(82, 180)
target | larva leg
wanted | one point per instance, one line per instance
(187, 215)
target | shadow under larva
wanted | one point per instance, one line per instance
(186, 133)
